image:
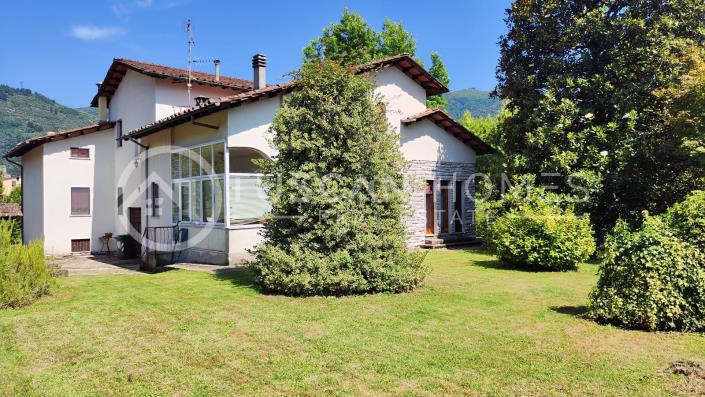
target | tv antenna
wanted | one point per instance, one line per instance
(192, 60)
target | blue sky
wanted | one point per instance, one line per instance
(62, 48)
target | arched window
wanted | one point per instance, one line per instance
(241, 160)
(247, 199)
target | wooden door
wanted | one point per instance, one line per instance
(444, 206)
(430, 208)
(135, 217)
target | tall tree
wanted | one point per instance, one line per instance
(336, 222)
(395, 40)
(582, 79)
(438, 70)
(352, 41)
(348, 42)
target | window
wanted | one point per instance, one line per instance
(118, 133)
(80, 153)
(197, 184)
(81, 245)
(119, 201)
(155, 199)
(175, 194)
(80, 201)
(248, 200)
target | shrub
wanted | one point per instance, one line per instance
(533, 230)
(346, 236)
(687, 219)
(24, 274)
(650, 279)
(542, 238)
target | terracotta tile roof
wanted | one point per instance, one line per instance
(29, 144)
(403, 62)
(443, 120)
(10, 210)
(411, 68)
(119, 67)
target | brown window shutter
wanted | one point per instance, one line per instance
(80, 201)
(155, 199)
(80, 153)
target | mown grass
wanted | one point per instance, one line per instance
(473, 329)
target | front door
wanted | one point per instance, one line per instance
(430, 208)
(135, 218)
(134, 215)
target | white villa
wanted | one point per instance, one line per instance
(157, 159)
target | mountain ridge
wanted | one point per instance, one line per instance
(25, 114)
(477, 102)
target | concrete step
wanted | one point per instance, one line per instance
(448, 242)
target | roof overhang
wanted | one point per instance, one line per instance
(209, 107)
(404, 62)
(29, 144)
(118, 69)
(411, 68)
(444, 121)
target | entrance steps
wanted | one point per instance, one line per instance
(448, 241)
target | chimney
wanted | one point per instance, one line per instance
(217, 69)
(102, 105)
(259, 67)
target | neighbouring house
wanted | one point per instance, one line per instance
(162, 155)
(10, 210)
(9, 182)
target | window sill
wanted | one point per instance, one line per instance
(79, 158)
(245, 227)
(80, 216)
(201, 224)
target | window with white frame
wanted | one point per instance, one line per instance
(197, 175)
(248, 201)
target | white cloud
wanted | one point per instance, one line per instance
(120, 10)
(95, 32)
(144, 3)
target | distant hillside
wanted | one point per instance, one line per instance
(24, 114)
(475, 101)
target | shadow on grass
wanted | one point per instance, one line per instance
(579, 311)
(496, 264)
(243, 278)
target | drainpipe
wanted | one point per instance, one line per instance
(21, 191)
(146, 185)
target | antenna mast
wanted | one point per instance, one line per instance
(191, 44)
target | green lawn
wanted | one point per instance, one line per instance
(474, 329)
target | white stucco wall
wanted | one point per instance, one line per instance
(403, 96)
(171, 97)
(61, 173)
(248, 124)
(33, 195)
(426, 141)
(133, 103)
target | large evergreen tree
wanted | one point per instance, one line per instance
(584, 80)
(336, 192)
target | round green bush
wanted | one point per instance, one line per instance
(687, 219)
(650, 279)
(541, 236)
